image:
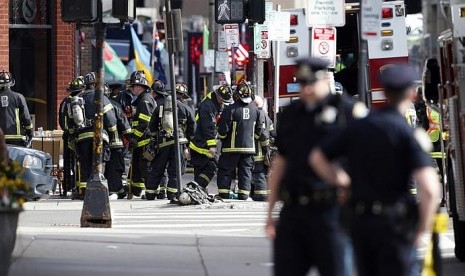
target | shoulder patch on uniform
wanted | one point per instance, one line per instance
(423, 139)
(328, 114)
(359, 110)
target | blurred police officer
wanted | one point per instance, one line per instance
(239, 125)
(115, 167)
(308, 233)
(385, 222)
(204, 145)
(15, 120)
(82, 111)
(143, 108)
(76, 87)
(161, 127)
(260, 169)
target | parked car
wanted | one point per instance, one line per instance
(37, 167)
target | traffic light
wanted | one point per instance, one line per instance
(124, 10)
(230, 11)
(256, 11)
(79, 10)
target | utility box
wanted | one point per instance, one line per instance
(79, 10)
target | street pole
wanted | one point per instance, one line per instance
(362, 63)
(96, 208)
(170, 34)
(276, 77)
(212, 41)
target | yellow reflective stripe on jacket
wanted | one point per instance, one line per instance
(200, 150)
(129, 130)
(15, 137)
(171, 142)
(107, 108)
(28, 127)
(88, 135)
(138, 133)
(259, 157)
(233, 135)
(135, 123)
(143, 143)
(265, 143)
(144, 117)
(197, 117)
(212, 142)
(223, 191)
(438, 154)
(238, 149)
(113, 128)
(18, 123)
(261, 192)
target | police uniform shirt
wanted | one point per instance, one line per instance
(382, 153)
(300, 129)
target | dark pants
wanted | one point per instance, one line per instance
(227, 172)
(165, 159)
(114, 170)
(138, 171)
(380, 249)
(306, 237)
(69, 167)
(20, 143)
(204, 168)
(259, 182)
(84, 151)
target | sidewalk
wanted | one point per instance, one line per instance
(50, 242)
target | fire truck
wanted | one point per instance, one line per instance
(390, 47)
(452, 103)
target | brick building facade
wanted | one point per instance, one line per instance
(38, 48)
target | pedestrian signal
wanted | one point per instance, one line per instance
(230, 11)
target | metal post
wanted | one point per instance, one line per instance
(170, 40)
(362, 64)
(276, 50)
(212, 41)
(96, 208)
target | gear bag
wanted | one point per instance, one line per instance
(198, 194)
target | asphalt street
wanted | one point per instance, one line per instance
(155, 238)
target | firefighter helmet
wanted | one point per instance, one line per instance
(159, 88)
(225, 93)
(184, 198)
(181, 89)
(244, 92)
(76, 85)
(6, 79)
(90, 78)
(138, 78)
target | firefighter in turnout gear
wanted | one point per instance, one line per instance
(15, 120)
(143, 107)
(115, 167)
(75, 88)
(82, 111)
(159, 92)
(239, 125)
(161, 129)
(260, 169)
(203, 147)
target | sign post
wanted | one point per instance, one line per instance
(371, 19)
(324, 44)
(279, 26)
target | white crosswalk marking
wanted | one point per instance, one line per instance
(201, 221)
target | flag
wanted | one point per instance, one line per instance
(142, 57)
(206, 35)
(113, 64)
